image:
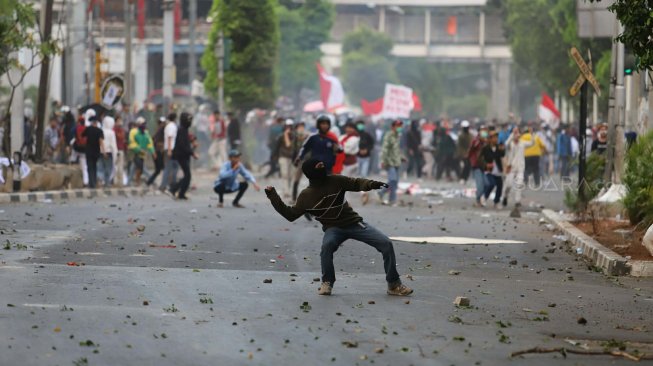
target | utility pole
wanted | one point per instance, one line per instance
(611, 111)
(168, 55)
(619, 153)
(16, 130)
(192, 56)
(129, 15)
(44, 80)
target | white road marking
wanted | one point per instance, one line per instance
(90, 253)
(11, 267)
(452, 240)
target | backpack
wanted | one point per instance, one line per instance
(80, 140)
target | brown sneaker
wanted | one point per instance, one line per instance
(400, 290)
(325, 289)
(238, 205)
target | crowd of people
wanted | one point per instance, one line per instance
(116, 149)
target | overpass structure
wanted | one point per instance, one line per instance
(460, 31)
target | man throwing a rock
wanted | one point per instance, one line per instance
(324, 198)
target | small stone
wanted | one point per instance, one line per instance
(453, 272)
(378, 350)
(582, 321)
(407, 302)
(371, 302)
(461, 301)
(513, 262)
(316, 279)
(146, 303)
(267, 280)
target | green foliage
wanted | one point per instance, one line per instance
(638, 179)
(253, 29)
(540, 33)
(303, 27)
(637, 19)
(594, 170)
(366, 65)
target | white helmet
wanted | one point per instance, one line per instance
(464, 124)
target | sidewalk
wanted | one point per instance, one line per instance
(49, 196)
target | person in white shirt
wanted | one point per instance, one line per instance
(350, 144)
(109, 158)
(515, 166)
(171, 166)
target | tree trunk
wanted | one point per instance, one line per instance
(44, 83)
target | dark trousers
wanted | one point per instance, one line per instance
(335, 236)
(221, 190)
(158, 167)
(416, 162)
(446, 163)
(494, 181)
(182, 185)
(532, 167)
(467, 168)
(91, 167)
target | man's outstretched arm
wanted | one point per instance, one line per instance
(290, 213)
(361, 184)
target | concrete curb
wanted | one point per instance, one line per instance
(71, 194)
(610, 262)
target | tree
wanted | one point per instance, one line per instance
(367, 65)
(637, 19)
(253, 29)
(540, 33)
(426, 79)
(303, 27)
(19, 31)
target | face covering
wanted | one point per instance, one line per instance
(141, 128)
(400, 130)
(360, 127)
(484, 134)
(311, 172)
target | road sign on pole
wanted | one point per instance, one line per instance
(586, 72)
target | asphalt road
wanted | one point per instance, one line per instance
(151, 281)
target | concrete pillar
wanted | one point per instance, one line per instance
(595, 110)
(500, 98)
(381, 19)
(75, 54)
(168, 55)
(140, 74)
(481, 33)
(427, 27)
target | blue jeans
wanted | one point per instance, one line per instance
(480, 179)
(169, 177)
(493, 181)
(364, 166)
(335, 236)
(393, 183)
(107, 168)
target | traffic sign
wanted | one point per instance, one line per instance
(586, 73)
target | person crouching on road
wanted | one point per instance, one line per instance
(324, 198)
(227, 182)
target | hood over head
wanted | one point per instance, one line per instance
(314, 174)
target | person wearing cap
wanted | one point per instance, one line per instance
(350, 144)
(324, 198)
(182, 153)
(171, 167)
(140, 144)
(391, 159)
(158, 140)
(323, 145)
(515, 165)
(227, 181)
(94, 148)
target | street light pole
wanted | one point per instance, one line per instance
(129, 14)
(168, 56)
(192, 56)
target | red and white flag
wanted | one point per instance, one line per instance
(548, 112)
(331, 91)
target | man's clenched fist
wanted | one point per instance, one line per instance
(379, 185)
